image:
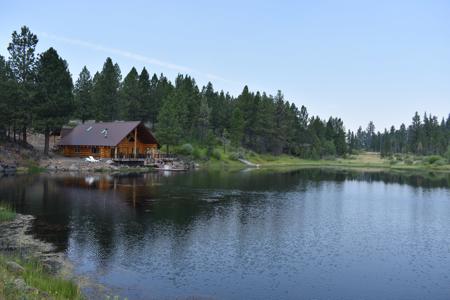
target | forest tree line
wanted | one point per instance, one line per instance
(424, 136)
(37, 94)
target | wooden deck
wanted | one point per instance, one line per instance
(145, 159)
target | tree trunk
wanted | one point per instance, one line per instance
(167, 149)
(24, 134)
(47, 141)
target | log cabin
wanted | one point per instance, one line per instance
(114, 140)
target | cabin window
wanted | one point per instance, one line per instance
(94, 150)
(130, 138)
(77, 149)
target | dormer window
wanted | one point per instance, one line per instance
(130, 138)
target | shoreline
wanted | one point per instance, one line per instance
(17, 244)
(224, 165)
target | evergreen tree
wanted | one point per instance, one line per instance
(84, 108)
(370, 142)
(415, 134)
(105, 92)
(130, 106)
(188, 94)
(237, 127)
(203, 120)
(161, 89)
(212, 99)
(9, 94)
(54, 94)
(169, 130)
(402, 139)
(145, 100)
(22, 61)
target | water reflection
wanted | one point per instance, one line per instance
(318, 233)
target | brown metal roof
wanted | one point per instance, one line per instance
(106, 134)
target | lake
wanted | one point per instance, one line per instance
(294, 234)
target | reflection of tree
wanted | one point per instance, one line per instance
(105, 215)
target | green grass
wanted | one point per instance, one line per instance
(6, 213)
(45, 285)
(364, 160)
(33, 167)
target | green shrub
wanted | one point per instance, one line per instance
(392, 161)
(234, 156)
(440, 162)
(196, 153)
(329, 157)
(432, 159)
(447, 154)
(6, 213)
(216, 154)
(186, 149)
(329, 149)
(408, 162)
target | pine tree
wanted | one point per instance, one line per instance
(145, 99)
(22, 61)
(237, 127)
(105, 92)
(54, 94)
(169, 130)
(370, 142)
(161, 90)
(129, 105)
(9, 94)
(84, 108)
(415, 134)
(203, 120)
(188, 94)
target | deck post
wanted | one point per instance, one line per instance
(115, 152)
(135, 141)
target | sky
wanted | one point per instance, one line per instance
(358, 60)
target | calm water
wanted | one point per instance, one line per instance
(308, 234)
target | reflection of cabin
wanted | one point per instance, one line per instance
(116, 140)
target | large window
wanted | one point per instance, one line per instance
(77, 149)
(94, 150)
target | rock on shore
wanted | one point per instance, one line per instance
(15, 239)
(76, 165)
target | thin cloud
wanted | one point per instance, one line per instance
(131, 55)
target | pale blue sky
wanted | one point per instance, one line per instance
(359, 60)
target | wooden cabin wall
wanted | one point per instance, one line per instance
(85, 151)
(126, 147)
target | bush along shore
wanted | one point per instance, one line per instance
(29, 268)
(238, 158)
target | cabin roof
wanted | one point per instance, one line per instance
(105, 134)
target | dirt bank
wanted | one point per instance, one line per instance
(16, 240)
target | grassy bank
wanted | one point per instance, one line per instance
(6, 213)
(220, 159)
(33, 282)
(366, 160)
(28, 279)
